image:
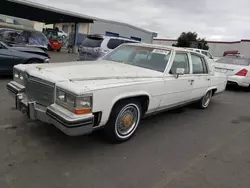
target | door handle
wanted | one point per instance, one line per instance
(208, 79)
(191, 81)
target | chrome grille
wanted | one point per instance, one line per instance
(39, 91)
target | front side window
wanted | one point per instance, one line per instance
(199, 65)
(180, 61)
(145, 57)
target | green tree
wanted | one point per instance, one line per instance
(189, 39)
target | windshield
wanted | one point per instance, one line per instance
(3, 45)
(93, 42)
(146, 57)
(234, 61)
(32, 38)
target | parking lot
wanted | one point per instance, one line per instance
(185, 148)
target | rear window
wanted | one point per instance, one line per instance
(113, 43)
(234, 61)
(92, 42)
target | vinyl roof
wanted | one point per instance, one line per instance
(41, 13)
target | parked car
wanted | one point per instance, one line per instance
(96, 46)
(62, 34)
(115, 92)
(71, 39)
(54, 44)
(9, 36)
(204, 52)
(211, 59)
(32, 39)
(11, 56)
(237, 69)
(54, 40)
(231, 53)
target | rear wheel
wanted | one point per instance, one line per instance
(124, 120)
(58, 50)
(205, 100)
(247, 89)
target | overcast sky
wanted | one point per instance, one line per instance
(213, 19)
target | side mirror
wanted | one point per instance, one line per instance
(179, 71)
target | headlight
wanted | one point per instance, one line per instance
(18, 76)
(75, 104)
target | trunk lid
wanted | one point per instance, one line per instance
(231, 65)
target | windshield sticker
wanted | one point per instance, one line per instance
(164, 52)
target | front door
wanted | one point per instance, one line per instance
(201, 77)
(178, 90)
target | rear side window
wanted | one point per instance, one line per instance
(92, 42)
(207, 54)
(113, 43)
(199, 65)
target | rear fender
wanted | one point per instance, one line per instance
(213, 88)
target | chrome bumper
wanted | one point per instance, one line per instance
(69, 123)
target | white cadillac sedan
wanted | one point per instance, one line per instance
(114, 93)
(237, 68)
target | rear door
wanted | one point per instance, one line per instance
(201, 78)
(178, 91)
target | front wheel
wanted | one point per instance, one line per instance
(124, 120)
(205, 100)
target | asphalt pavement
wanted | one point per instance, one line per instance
(186, 148)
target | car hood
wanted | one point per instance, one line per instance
(90, 74)
(92, 70)
(27, 49)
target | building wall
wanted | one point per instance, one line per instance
(215, 47)
(82, 27)
(39, 26)
(101, 27)
(245, 47)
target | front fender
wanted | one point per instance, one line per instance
(130, 95)
(107, 111)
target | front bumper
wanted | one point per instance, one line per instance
(69, 123)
